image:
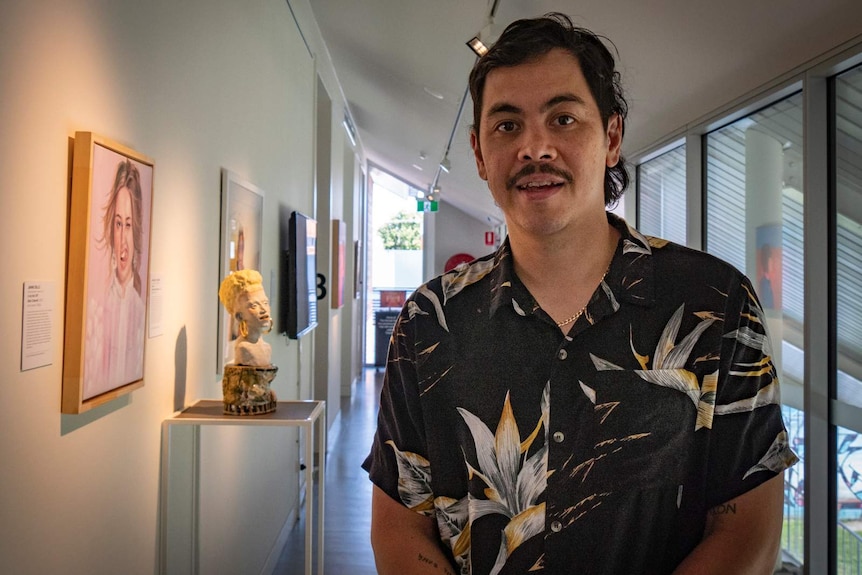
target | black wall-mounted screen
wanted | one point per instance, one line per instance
(299, 315)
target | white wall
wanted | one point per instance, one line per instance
(351, 364)
(323, 343)
(197, 85)
(457, 232)
(397, 269)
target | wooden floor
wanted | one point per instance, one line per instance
(348, 491)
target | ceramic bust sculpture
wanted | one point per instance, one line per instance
(246, 381)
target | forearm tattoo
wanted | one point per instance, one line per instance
(436, 565)
(724, 509)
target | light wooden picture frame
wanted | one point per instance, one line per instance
(110, 225)
(241, 240)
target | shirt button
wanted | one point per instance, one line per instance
(559, 436)
(562, 354)
(556, 526)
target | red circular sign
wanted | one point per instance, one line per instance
(453, 262)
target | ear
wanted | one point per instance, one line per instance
(615, 140)
(477, 154)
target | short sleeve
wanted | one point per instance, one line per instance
(398, 462)
(748, 442)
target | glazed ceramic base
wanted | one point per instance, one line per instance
(246, 390)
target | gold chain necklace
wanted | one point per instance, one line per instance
(567, 321)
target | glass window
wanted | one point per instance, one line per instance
(849, 492)
(661, 196)
(848, 181)
(754, 207)
(792, 535)
(754, 193)
(848, 325)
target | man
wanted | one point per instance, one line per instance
(586, 399)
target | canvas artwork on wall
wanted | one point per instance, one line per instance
(339, 263)
(109, 256)
(241, 225)
(768, 262)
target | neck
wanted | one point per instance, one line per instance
(123, 286)
(572, 255)
(563, 271)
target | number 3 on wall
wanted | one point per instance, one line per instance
(321, 286)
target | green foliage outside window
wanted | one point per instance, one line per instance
(402, 232)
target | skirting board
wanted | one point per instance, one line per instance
(281, 540)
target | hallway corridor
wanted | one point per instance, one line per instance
(347, 523)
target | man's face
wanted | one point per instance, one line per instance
(542, 147)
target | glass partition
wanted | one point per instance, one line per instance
(661, 196)
(848, 224)
(848, 308)
(754, 220)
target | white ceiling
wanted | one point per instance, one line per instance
(680, 60)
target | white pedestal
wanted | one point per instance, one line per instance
(304, 414)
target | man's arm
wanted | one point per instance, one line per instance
(405, 541)
(742, 536)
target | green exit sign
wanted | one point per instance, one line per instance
(426, 206)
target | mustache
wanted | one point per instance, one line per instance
(531, 169)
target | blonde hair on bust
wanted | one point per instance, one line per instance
(236, 284)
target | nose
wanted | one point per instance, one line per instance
(536, 145)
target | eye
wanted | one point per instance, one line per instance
(564, 120)
(506, 126)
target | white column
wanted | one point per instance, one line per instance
(764, 180)
(429, 239)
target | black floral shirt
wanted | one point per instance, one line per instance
(598, 451)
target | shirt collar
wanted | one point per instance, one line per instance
(502, 274)
(630, 276)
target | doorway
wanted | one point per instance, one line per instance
(394, 257)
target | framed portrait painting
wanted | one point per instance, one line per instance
(241, 236)
(109, 262)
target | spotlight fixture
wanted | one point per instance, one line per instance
(486, 36)
(445, 164)
(477, 46)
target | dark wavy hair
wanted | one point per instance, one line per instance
(528, 39)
